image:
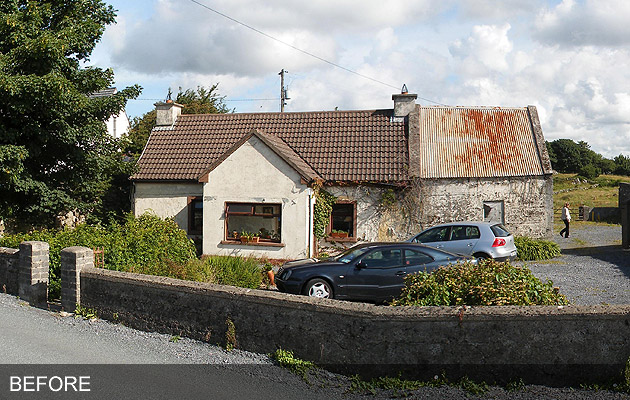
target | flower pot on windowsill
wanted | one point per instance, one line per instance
(254, 239)
(339, 235)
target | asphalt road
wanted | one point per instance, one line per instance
(123, 363)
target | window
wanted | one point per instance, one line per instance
(414, 257)
(385, 258)
(262, 220)
(465, 233)
(493, 211)
(195, 215)
(433, 235)
(343, 220)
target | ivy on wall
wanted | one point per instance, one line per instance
(324, 202)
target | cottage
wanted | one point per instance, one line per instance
(286, 185)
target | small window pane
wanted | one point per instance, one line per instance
(433, 235)
(383, 259)
(342, 218)
(414, 257)
(240, 208)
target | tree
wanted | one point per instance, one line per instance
(623, 165)
(55, 153)
(200, 101)
(568, 155)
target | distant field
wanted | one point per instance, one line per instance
(600, 192)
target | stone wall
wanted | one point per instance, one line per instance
(624, 206)
(24, 272)
(547, 344)
(528, 202)
(9, 260)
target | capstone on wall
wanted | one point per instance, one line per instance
(527, 202)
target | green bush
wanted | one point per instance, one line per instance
(144, 244)
(488, 283)
(147, 243)
(535, 249)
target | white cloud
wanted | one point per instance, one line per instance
(487, 46)
(564, 57)
(599, 23)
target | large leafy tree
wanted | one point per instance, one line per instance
(55, 154)
(200, 101)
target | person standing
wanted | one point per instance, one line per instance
(566, 218)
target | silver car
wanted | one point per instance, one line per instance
(478, 239)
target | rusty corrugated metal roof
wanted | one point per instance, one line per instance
(477, 142)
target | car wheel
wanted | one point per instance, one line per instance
(319, 288)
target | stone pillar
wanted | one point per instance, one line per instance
(33, 273)
(73, 260)
(624, 205)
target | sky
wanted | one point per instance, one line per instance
(569, 58)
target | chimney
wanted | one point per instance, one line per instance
(167, 113)
(404, 103)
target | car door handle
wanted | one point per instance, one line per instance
(400, 273)
(439, 246)
(470, 245)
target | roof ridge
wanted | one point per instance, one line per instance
(277, 113)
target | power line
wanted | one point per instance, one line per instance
(225, 99)
(294, 47)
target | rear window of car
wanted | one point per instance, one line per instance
(499, 230)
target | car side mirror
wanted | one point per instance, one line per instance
(360, 265)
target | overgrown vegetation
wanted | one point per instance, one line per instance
(490, 283)
(535, 249)
(146, 245)
(403, 388)
(321, 212)
(286, 359)
(230, 335)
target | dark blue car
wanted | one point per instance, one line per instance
(372, 272)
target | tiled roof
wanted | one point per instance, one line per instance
(361, 146)
(280, 148)
(458, 142)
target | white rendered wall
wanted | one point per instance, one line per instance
(255, 174)
(165, 200)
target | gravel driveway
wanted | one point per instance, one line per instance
(593, 268)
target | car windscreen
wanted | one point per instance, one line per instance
(499, 230)
(350, 254)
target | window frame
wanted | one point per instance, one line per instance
(262, 241)
(329, 228)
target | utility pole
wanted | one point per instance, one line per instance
(283, 91)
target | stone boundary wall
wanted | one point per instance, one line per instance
(542, 344)
(9, 260)
(24, 272)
